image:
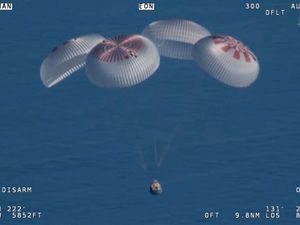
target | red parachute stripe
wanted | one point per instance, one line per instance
(247, 57)
(218, 40)
(236, 54)
(226, 48)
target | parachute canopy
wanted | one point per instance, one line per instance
(227, 59)
(122, 61)
(175, 37)
(67, 58)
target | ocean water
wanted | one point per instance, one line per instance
(80, 147)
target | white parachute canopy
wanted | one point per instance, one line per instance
(122, 61)
(175, 37)
(67, 58)
(227, 60)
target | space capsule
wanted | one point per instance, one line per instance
(67, 58)
(175, 37)
(227, 60)
(122, 61)
(155, 188)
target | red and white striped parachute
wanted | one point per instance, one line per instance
(125, 61)
(227, 59)
(122, 61)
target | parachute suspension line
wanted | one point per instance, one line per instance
(155, 151)
(142, 160)
(168, 146)
(176, 129)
